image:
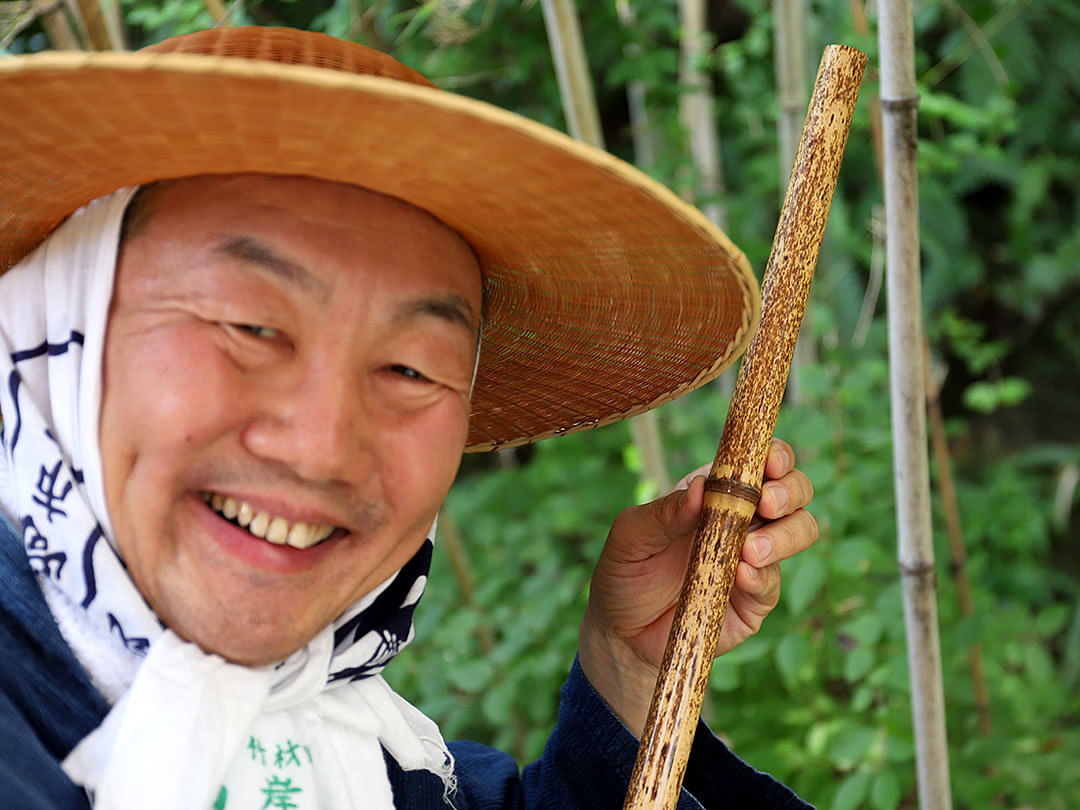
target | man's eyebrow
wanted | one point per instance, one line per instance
(450, 307)
(260, 255)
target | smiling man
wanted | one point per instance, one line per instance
(238, 380)
(321, 341)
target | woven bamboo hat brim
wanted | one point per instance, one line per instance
(606, 294)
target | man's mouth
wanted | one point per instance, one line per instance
(272, 528)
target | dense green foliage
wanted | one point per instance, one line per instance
(820, 696)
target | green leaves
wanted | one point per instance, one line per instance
(987, 397)
(850, 745)
(885, 791)
(852, 791)
(993, 119)
(414, 19)
(470, 676)
(807, 577)
(794, 660)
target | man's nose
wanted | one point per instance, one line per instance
(317, 423)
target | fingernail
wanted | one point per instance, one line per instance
(779, 496)
(763, 547)
(682, 497)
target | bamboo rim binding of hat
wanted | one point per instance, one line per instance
(733, 487)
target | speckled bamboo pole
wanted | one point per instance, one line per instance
(734, 484)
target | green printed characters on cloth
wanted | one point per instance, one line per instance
(283, 777)
(279, 793)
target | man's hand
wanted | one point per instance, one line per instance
(637, 581)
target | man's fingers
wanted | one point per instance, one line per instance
(761, 585)
(684, 482)
(641, 531)
(687, 502)
(756, 593)
(780, 539)
(676, 514)
(785, 496)
(785, 489)
(780, 461)
(648, 529)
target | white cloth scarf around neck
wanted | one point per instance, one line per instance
(191, 730)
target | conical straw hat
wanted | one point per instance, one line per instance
(606, 294)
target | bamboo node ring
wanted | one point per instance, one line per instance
(734, 487)
(916, 569)
(899, 104)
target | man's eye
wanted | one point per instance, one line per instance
(408, 373)
(258, 331)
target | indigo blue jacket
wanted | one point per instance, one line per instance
(47, 704)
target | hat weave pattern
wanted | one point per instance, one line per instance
(607, 295)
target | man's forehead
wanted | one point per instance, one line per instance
(263, 257)
(263, 190)
(207, 199)
(283, 227)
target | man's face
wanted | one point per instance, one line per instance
(300, 353)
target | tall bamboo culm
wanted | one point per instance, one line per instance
(57, 28)
(705, 186)
(702, 183)
(640, 126)
(915, 552)
(583, 122)
(217, 10)
(789, 58)
(100, 24)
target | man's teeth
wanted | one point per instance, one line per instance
(273, 529)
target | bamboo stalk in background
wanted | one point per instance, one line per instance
(216, 9)
(955, 531)
(57, 28)
(75, 16)
(875, 278)
(734, 484)
(789, 57)
(640, 127)
(896, 41)
(583, 122)
(572, 72)
(946, 490)
(114, 23)
(704, 185)
(877, 225)
(1064, 491)
(696, 111)
(92, 18)
(858, 19)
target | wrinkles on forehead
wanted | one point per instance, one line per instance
(260, 254)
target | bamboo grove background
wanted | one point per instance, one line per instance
(702, 96)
